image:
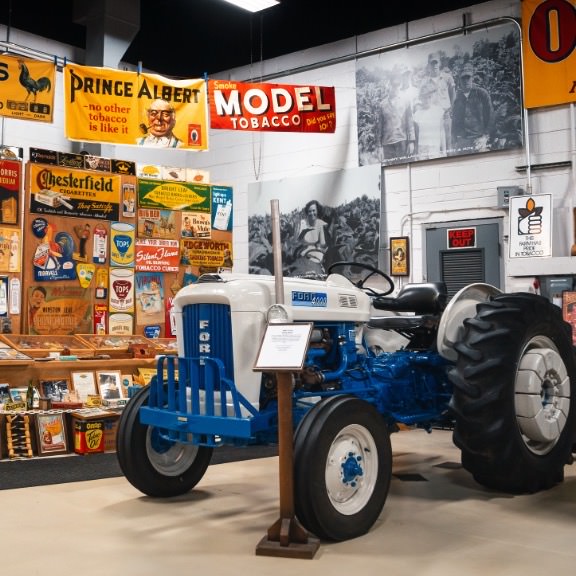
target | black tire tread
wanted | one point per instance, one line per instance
(134, 462)
(483, 394)
(315, 436)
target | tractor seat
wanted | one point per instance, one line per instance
(426, 298)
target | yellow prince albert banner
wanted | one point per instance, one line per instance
(119, 107)
(26, 88)
(549, 48)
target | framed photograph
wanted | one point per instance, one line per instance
(56, 389)
(84, 384)
(5, 393)
(18, 394)
(110, 384)
(399, 256)
(51, 433)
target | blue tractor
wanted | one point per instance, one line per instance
(496, 368)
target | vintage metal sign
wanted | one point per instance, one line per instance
(549, 46)
(28, 88)
(120, 107)
(271, 107)
(78, 193)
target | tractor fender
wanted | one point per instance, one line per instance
(461, 306)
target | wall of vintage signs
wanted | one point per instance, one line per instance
(108, 243)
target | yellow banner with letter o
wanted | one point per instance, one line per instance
(549, 49)
(114, 106)
(26, 88)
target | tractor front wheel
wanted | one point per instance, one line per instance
(342, 467)
(153, 464)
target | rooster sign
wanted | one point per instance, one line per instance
(33, 86)
(28, 88)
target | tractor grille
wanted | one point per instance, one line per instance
(194, 399)
(208, 332)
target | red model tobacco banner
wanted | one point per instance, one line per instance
(271, 107)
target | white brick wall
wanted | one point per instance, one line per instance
(438, 191)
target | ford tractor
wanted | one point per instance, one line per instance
(495, 368)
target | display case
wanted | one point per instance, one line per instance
(116, 346)
(165, 345)
(37, 346)
(11, 354)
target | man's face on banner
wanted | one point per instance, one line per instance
(161, 118)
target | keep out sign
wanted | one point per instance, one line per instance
(461, 237)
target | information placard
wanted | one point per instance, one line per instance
(284, 347)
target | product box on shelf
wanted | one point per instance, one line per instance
(110, 433)
(90, 430)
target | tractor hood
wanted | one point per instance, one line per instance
(333, 299)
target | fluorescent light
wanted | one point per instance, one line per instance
(253, 5)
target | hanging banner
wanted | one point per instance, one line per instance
(27, 88)
(271, 107)
(549, 47)
(531, 226)
(65, 192)
(120, 107)
(173, 195)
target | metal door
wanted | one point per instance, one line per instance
(463, 253)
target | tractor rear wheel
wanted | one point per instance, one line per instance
(153, 464)
(513, 401)
(342, 467)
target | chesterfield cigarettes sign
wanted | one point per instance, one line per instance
(119, 107)
(271, 107)
(549, 46)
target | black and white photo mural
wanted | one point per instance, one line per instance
(454, 96)
(324, 218)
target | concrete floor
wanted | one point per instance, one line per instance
(437, 522)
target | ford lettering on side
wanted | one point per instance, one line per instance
(310, 299)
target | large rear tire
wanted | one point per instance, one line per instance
(342, 468)
(513, 401)
(155, 466)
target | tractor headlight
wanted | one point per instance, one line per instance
(278, 313)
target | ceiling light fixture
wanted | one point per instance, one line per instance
(253, 5)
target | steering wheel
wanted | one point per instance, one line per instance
(348, 264)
